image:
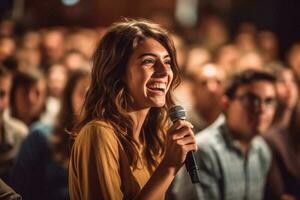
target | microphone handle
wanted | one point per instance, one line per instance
(192, 167)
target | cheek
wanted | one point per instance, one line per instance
(280, 90)
(295, 92)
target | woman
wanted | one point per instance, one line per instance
(284, 140)
(125, 149)
(41, 169)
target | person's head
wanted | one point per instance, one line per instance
(5, 86)
(28, 58)
(180, 46)
(71, 105)
(57, 77)
(293, 58)
(74, 59)
(250, 103)
(28, 94)
(31, 40)
(134, 69)
(249, 60)
(53, 45)
(245, 41)
(287, 87)
(7, 47)
(196, 57)
(208, 88)
(268, 44)
(226, 57)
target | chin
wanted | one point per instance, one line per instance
(158, 104)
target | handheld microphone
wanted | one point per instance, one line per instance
(179, 113)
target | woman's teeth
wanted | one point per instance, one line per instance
(158, 86)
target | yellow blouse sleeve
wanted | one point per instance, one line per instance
(94, 165)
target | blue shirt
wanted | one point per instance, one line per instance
(36, 175)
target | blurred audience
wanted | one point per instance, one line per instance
(12, 132)
(56, 81)
(208, 88)
(41, 169)
(284, 140)
(293, 58)
(52, 47)
(35, 95)
(74, 59)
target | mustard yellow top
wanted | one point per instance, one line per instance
(99, 168)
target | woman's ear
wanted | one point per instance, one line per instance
(225, 101)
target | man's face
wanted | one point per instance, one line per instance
(31, 101)
(208, 88)
(5, 85)
(250, 112)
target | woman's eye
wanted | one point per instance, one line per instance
(168, 62)
(148, 61)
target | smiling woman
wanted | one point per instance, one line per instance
(124, 147)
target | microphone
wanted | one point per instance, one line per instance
(179, 113)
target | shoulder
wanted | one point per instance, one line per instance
(15, 126)
(209, 144)
(97, 129)
(96, 133)
(262, 146)
(208, 138)
(39, 132)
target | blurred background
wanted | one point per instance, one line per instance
(278, 16)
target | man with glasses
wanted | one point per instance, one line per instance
(233, 159)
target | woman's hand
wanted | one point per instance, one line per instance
(180, 140)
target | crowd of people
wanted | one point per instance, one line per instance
(241, 98)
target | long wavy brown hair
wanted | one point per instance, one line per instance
(108, 99)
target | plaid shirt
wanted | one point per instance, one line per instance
(225, 172)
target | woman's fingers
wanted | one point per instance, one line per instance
(180, 133)
(186, 140)
(180, 124)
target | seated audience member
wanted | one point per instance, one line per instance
(41, 169)
(226, 57)
(6, 193)
(12, 132)
(249, 60)
(233, 160)
(288, 96)
(56, 80)
(28, 95)
(74, 59)
(293, 58)
(208, 88)
(283, 182)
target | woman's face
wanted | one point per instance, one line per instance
(287, 89)
(149, 74)
(78, 94)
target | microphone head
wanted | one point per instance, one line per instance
(177, 113)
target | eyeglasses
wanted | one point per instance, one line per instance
(253, 101)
